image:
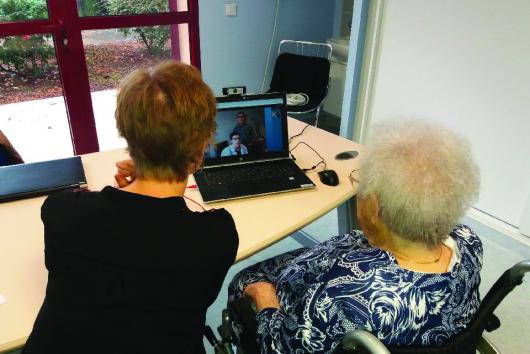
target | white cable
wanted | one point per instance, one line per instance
(270, 46)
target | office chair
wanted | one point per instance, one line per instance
(302, 71)
(220, 146)
(240, 316)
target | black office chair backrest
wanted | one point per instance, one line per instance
(295, 73)
(466, 341)
(220, 146)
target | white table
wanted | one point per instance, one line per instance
(260, 221)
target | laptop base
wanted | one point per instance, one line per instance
(219, 191)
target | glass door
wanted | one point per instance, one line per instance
(33, 118)
(111, 53)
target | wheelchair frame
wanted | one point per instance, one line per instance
(360, 341)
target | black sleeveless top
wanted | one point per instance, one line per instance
(129, 273)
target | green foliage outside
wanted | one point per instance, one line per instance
(30, 54)
(154, 38)
(24, 54)
(18, 10)
(92, 8)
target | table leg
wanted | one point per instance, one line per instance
(347, 216)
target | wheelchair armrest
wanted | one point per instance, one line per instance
(244, 311)
(225, 329)
(360, 338)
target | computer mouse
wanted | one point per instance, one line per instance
(329, 177)
(346, 155)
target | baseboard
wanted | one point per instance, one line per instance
(498, 225)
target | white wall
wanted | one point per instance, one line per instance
(465, 64)
(525, 219)
(234, 49)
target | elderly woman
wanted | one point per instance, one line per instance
(410, 277)
(133, 270)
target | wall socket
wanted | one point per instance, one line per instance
(236, 90)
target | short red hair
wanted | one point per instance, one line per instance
(166, 114)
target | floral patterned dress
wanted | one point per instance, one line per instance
(345, 284)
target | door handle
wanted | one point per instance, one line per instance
(62, 31)
(64, 37)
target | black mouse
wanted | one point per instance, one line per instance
(329, 177)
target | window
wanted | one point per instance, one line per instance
(61, 60)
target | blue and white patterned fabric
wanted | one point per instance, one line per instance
(345, 284)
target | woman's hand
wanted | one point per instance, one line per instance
(263, 294)
(126, 173)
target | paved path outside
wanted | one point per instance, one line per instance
(39, 129)
(97, 37)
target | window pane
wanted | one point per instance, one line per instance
(128, 7)
(21, 10)
(112, 54)
(32, 109)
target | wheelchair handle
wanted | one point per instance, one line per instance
(365, 339)
(518, 271)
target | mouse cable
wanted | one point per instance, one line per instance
(302, 132)
(322, 161)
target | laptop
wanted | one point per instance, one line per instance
(39, 178)
(249, 155)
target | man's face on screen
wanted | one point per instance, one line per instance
(236, 141)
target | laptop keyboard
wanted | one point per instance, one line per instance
(249, 173)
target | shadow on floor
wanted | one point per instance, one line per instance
(326, 121)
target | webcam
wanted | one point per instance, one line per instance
(238, 90)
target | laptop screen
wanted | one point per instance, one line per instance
(249, 128)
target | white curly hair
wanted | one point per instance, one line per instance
(423, 176)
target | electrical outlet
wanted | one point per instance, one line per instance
(236, 90)
(231, 9)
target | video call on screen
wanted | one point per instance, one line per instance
(246, 131)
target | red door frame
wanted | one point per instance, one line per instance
(65, 23)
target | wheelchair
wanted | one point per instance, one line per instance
(237, 330)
